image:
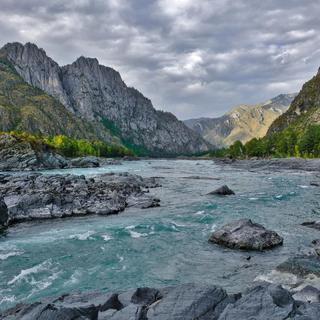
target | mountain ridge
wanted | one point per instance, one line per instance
(242, 122)
(98, 93)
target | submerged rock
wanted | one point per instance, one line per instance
(301, 266)
(247, 235)
(222, 191)
(312, 224)
(37, 196)
(3, 213)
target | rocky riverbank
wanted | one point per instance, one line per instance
(185, 302)
(272, 164)
(17, 154)
(33, 196)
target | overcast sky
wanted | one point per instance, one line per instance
(192, 57)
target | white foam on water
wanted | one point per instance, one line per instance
(5, 256)
(280, 196)
(303, 186)
(121, 258)
(253, 199)
(213, 227)
(83, 236)
(135, 234)
(130, 227)
(7, 299)
(44, 266)
(106, 237)
(44, 283)
(75, 278)
(199, 213)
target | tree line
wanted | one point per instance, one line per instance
(288, 143)
(70, 147)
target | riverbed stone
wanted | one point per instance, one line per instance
(3, 213)
(222, 191)
(247, 235)
(266, 301)
(301, 265)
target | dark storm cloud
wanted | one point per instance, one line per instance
(194, 58)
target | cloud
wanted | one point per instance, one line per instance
(193, 58)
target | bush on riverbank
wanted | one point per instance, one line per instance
(288, 143)
(69, 147)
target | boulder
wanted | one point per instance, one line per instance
(188, 302)
(247, 235)
(222, 191)
(85, 162)
(3, 213)
(264, 302)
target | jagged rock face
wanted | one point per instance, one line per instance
(18, 154)
(97, 93)
(303, 111)
(37, 69)
(242, 123)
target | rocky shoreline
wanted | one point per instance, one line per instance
(264, 301)
(277, 164)
(36, 196)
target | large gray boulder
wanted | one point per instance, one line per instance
(188, 302)
(264, 302)
(247, 235)
(3, 213)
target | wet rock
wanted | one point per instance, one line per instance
(308, 294)
(316, 245)
(301, 266)
(222, 191)
(312, 224)
(35, 196)
(3, 213)
(263, 302)
(183, 302)
(247, 235)
(187, 302)
(85, 162)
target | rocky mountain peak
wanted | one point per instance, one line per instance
(97, 93)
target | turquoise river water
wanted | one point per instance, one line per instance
(160, 246)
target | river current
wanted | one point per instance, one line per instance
(160, 246)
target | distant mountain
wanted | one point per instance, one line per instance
(241, 123)
(304, 110)
(96, 95)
